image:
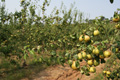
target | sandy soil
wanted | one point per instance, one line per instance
(59, 72)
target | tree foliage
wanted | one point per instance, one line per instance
(111, 1)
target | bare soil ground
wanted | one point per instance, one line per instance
(59, 72)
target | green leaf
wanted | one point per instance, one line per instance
(78, 45)
(118, 9)
(75, 56)
(62, 64)
(25, 56)
(77, 64)
(113, 50)
(111, 1)
(53, 53)
(78, 79)
(58, 60)
(40, 59)
(13, 62)
(70, 62)
(72, 36)
(87, 74)
(67, 55)
(31, 52)
(24, 51)
(82, 71)
(3, 0)
(25, 47)
(118, 43)
(59, 40)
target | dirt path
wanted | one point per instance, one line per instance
(59, 72)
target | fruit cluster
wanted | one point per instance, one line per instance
(93, 55)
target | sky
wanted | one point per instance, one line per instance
(90, 8)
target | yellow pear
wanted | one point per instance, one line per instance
(86, 38)
(89, 56)
(79, 56)
(83, 54)
(96, 32)
(74, 65)
(81, 38)
(90, 62)
(96, 51)
(107, 54)
(92, 69)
